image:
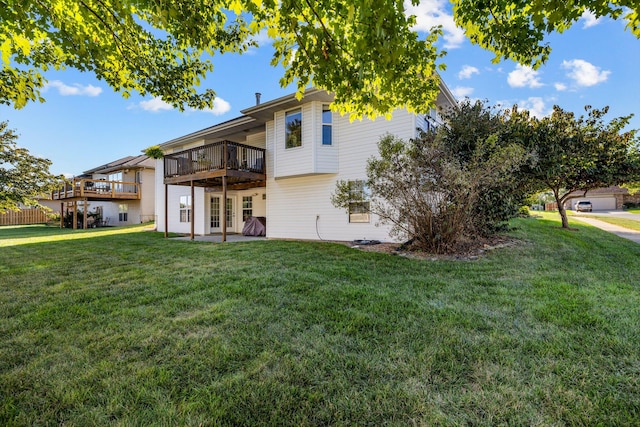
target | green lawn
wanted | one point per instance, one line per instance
(122, 327)
(635, 211)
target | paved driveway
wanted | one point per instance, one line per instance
(627, 233)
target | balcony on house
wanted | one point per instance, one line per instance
(242, 165)
(97, 189)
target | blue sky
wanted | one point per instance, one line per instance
(84, 124)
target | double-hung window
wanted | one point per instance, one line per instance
(359, 205)
(327, 135)
(247, 207)
(123, 212)
(293, 128)
(185, 208)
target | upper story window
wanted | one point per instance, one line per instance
(327, 135)
(116, 178)
(293, 128)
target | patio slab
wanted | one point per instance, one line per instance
(217, 238)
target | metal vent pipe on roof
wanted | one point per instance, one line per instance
(258, 94)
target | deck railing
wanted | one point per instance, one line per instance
(219, 155)
(85, 187)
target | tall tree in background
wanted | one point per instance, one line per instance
(23, 177)
(365, 51)
(580, 154)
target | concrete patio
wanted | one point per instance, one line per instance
(217, 238)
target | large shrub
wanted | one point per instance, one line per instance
(429, 194)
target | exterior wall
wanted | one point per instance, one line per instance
(298, 160)
(174, 193)
(430, 121)
(300, 180)
(199, 211)
(259, 207)
(159, 195)
(111, 211)
(296, 204)
(311, 157)
(147, 196)
(630, 198)
(186, 146)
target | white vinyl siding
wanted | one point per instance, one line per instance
(293, 204)
(312, 157)
(293, 161)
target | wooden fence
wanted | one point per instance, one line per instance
(24, 217)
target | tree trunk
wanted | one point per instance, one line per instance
(561, 210)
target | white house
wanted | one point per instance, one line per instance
(120, 192)
(280, 160)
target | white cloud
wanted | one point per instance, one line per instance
(584, 73)
(467, 71)
(560, 86)
(536, 106)
(262, 38)
(462, 91)
(431, 13)
(156, 104)
(75, 90)
(589, 19)
(220, 106)
(524, 76)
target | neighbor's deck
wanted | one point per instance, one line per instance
(95, 189)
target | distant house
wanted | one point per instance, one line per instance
(609, 198)
(117, 193)
(280, 160)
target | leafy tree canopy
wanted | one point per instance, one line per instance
(23, 177)
(365, 51)
(516, 29)
(581, 153)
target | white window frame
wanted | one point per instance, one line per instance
(358, 209)
(287, 134)
(329, 124)
(123, 212)
(247, 207)
(185, 208)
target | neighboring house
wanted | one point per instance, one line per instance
(118, 193)
(602, 199)
(280, 160)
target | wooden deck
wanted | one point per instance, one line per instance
(219, 166)
(242, 165)
(94, 189)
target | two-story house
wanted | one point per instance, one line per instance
(118, 193)
(281, 160)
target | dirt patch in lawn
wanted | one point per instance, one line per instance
(470, 251)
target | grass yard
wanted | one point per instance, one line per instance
(122, 327)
